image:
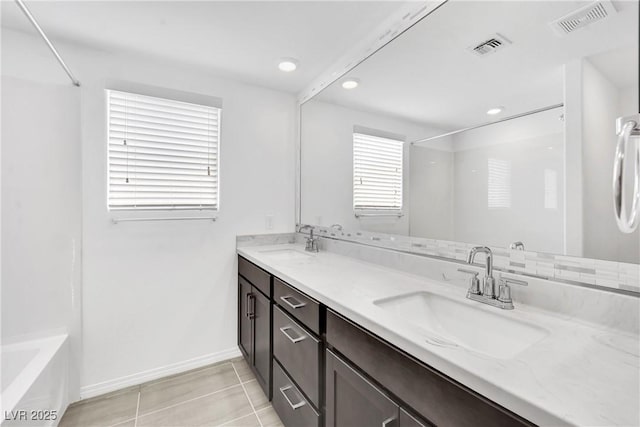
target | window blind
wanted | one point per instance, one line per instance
(163, 154)
(377, 173)
(499, 183)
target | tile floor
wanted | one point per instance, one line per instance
(224, 394)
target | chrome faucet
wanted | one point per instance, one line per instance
(487, 293)
(311, 244)
(488, 282)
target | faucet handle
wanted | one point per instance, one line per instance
(504, 293)
(510, 281)
(474, 282)
(504, 290)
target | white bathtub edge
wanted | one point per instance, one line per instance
(33, 370)
(51, 350)
(98, 389)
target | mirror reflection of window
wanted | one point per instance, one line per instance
(377, 173)
(499, 183)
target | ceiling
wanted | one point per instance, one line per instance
(429, 75)
(239, 39)
(619, 66)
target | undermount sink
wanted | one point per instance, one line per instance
(451, 323)
(286, 254)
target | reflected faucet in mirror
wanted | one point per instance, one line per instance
(518, 246)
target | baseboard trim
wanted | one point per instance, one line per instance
(98, 389)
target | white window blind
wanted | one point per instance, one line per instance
(163, 154)
(499, 183)
(377, 173)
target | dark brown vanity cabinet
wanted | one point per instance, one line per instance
(437, 398)
(254, 321)
(321, 369)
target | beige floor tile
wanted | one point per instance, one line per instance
(248, 421)
(269, 417)
(215, 409)
(244, 372)
(258, 399)
(102, 411)
(130, 423)
(177, 389)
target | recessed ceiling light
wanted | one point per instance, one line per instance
(550, 147)
(288, 64)
(350, 83)
(495, 110)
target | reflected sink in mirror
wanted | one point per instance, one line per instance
(451, 323)
(286, 254)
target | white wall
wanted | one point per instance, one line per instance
(574, 186)
(327, 165)
(41, 199)
(431, 193)
(41, 213)
(449, 189)
(602, 103)
(527, 219)
(159, 296)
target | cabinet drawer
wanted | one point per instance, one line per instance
(290, 404)
(300, 306)
(299, 352)
(254, 274)
(431, 394)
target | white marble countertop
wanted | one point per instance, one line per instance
(579, 374)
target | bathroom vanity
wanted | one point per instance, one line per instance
(347, 349)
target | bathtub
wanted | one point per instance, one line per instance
(35, 381)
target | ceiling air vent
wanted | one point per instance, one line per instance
(582, 17)
(491, 45)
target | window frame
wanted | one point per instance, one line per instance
(379, 210)
(169, 95)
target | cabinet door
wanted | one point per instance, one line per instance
(352, 400)
(262, 340)
(408, 420)
(245, 321)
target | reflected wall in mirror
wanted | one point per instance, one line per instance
(505, 112)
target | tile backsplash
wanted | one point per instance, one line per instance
(265, 239)
(605, 274)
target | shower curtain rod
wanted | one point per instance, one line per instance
(33, 21)
(517, 116)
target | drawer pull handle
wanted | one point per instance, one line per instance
(295, 304)
(286, 334)
(388, 422)
(293, 406)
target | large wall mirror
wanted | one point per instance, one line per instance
(487, 122)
